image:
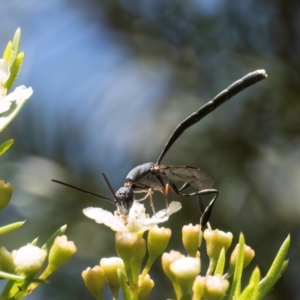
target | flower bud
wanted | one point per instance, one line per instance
(199, 287)
(215, 287)
(6, 190)
(191, 238)
(61, 251)
(29, 259)
(167, 259)
(110, 268)
(158, 239)
(6, 261)
(125, 244)
(185, 270)
(146, 287)
(248, 256)
(215, 241)
(94, 280)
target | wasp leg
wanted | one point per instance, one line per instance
(151, 201)
(149, 194)
(184, 186)
(206, 214)
(144, 198)
(166, 190)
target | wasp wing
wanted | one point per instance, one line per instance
(194, 177)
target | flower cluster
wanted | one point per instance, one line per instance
(124, 272)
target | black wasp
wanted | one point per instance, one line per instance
(150, 177)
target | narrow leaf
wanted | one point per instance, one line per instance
(59, 232)
(10, 227)
(237, 276)
(251, 290)
(221, 263)
(5, 146)
(124, 285)
(7, 51)
(14, 71)
(278, 266)
(34, 242)
(15, 46)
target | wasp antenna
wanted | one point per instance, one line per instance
(82, 190)
(109, 185)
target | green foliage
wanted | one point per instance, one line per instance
(21, 267)
(5, 146)
(237, 277)
(12, 102)
(14, 70)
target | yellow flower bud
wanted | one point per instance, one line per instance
(215, 287)
(248, 256)
(167, 259)
(146, 287)
(186, 270)
(6, 261)
(215, 241)
(110, 268)
(94, 280)
(61, 251)
(6, 190)
(199, 287)
(158, 239)
(191, 238)
(125, 244)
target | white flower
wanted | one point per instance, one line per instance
(136, 221)
(29, 259)
(19, 95)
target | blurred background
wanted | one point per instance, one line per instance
(112, 79)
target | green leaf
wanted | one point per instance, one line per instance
(221, 263)
(7, 51)
(14, 71)
(10, 227)
(251, 290)
(277, 268)
(283, 267)
(237, 277)
(124, 285)
(5, 146)
(15, 46)
(34, 242)
(59, 232)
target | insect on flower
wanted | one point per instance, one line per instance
(150, 177)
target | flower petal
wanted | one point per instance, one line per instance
(174, 206)
(4, 70)
(102, 216)
(4, 105)
(19, 94)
